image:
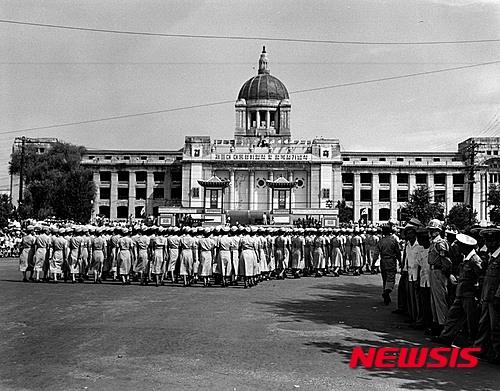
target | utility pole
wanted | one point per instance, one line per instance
(473, 150)
(21, 172)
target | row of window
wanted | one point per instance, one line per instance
(384, 159)
(140, 193)
(401, 195)
(492, 153)
(122, 212)
(140, 176)
(402, 178)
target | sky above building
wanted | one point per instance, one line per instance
(188, 85)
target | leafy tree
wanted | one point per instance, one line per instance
(420, 206)
(461, 216)
(6, 210)
(346, 214)
(56, 183)
(494, 202)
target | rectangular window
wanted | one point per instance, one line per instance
(123, 193)
(196, 192)
(325, 193)
(346, 159)
(158, 193)
(140, 193)
(459, 180)
(176, 176)
(402, 179)
(281, 199)
(402, 195)
(365, 195)
(104, 193)
(439, 195)
(418, 159)
(214, 199)
(421, 179)
(384, 195)
(400, 159)
(141, 176)
(159, 177)
(382, 159)
(384, 179)
(347, 178)
(144, 158)
(122, 212)
(126, 158)
(458, 196)
(436, 159)
(366, 178)
(440, 179)
(123, 176)
(105, 176)
(364, 159)
(347, 195)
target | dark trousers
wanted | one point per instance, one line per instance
(403, 293)
(414, 307)
(462, 310)
(488, 334)
(424, 296)
(388, 271)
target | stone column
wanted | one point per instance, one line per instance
(449, 192)
(268, 119)
(258, 119)
(412, 183)
(114, 195)
(430, 184)
(131, 193)
(292, 190)
(270, 177)
(149, 193)
(394, 196)
(357, 195)
(97, 183)
(251, 190)
(168, 184)
(375, 198)
(337, 184)
(231, 190)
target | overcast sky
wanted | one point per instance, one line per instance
(53, 76)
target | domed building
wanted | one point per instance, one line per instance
(263, 107)
(263, 171)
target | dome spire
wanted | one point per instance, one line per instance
(263, 62)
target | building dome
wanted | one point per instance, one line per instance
(263, 86)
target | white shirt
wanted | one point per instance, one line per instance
(415, 255)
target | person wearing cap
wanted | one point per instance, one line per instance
(141, 243)
(280, 251)
(26, 258)
(297, 244)
(463, 308)
(99, 248)
(110, 265)
(58, 257)
(249, 249)
(125, 256)
(357, 252)
(223, 255)
(440, 265)
(206, 248)
(173, 240)
(235, 254)
(188, 247)
(263, 254)
(390, 255)
(158, 248)
(456, 258)
(86, 251)
(336, 252)
(488, 335)
(319, 244)
(413, 255)
(308, 248)
(370, 244)
(74, 254)
(42, 252)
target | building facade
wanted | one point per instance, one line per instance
(263, 170)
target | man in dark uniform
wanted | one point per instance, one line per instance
(390, 255)
(489, 322)
(464, 307)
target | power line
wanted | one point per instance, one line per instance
(241, 38)
(231, 101)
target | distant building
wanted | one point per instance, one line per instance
(263, 170)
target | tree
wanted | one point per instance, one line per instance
(56, 183)
(346, 214)
(420, 206)
(494, 202)
(6, 210)
(461, 216)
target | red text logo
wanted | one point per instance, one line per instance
(414, 357)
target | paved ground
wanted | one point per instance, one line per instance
(280, 335)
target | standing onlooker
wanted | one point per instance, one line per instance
(388, 251)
